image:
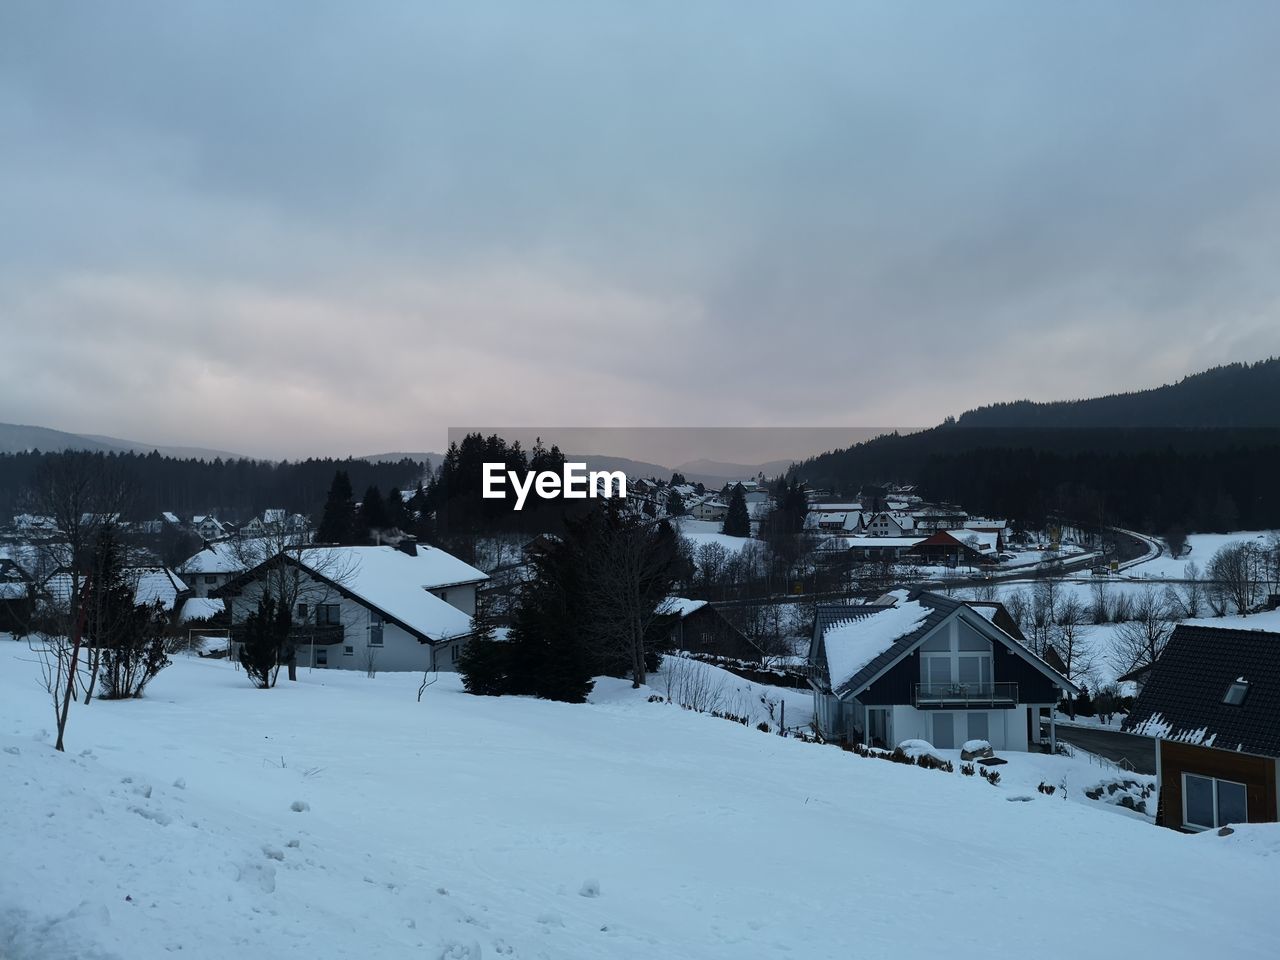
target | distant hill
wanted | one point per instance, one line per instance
(397, 456)
(718, 473)
(1236, 395)
(18, 438)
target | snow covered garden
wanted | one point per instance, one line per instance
(340, 817)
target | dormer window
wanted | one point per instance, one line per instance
(1236, 692)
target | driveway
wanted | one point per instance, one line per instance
(1139, 751)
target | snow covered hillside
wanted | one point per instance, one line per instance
(339, 817)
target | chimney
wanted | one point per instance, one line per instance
(408, 545)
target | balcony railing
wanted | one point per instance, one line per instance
(303, 634)
(938, 696)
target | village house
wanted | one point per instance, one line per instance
(216, 565)
(406, 607)
(708, 508)
(1212, 701)
(885, 524)
(928, 667)
(695, 626)
(954, 548)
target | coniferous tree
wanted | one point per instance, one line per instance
(373, 513)
(737, 522)
(263, 637)
(337, 523)
(485, 661)
(675, 504)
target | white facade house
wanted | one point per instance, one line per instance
(927, 667)
(407, 607)
(213, 567)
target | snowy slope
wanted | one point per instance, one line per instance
(463, 827)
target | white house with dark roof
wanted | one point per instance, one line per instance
(406, 607)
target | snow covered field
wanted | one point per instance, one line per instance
(699, 532)
(338, 817)
(1200, 547)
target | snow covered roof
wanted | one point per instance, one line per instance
(170, 517)
(1184, 697)
(200, 608)
(680, 606)
(852, 644)
(154, 584)
(214, 558)
(872, 638)
(397, 584)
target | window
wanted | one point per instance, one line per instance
(322, 656)
(1236, 692)
(328, 614)
(979, 728)
(1208, 802)
(302, 611)
(348, 651)
(211, 579)
(375, 629)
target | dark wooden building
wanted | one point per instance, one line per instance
(1212, 702)
(695, 626)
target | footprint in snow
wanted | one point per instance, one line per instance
(589, 888)
(299, 806)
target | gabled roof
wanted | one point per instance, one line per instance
(391, 581)
(1183, 696)
(893, 635)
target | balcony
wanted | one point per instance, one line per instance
(304, 634)
(962, 696)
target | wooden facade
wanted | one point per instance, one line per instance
(1258, 774)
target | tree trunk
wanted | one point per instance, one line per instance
(76, 633)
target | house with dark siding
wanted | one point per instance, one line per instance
(924, 666)
(1212, 701)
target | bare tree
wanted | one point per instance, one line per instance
(1237, 573)
(1071, 639)
(1141, 640)
(1100, 608)
(1188, 597)
(80, 494)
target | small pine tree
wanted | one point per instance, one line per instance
(485, 661)
(265, 632)
(1084, 702)
(737, 522)
(675, 504)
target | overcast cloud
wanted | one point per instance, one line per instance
(293, 228)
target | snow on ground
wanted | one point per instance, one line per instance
(1202, 547)
(699, 532)
(339, 817)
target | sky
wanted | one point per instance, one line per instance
(304, 228)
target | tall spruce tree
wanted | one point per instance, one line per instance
(373, 513)
(337, 523)
(737, 522)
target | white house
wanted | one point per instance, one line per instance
(213, 567)
(886, 524)
(406, 607)
(928, 667)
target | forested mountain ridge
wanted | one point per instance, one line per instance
(1234, 395)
